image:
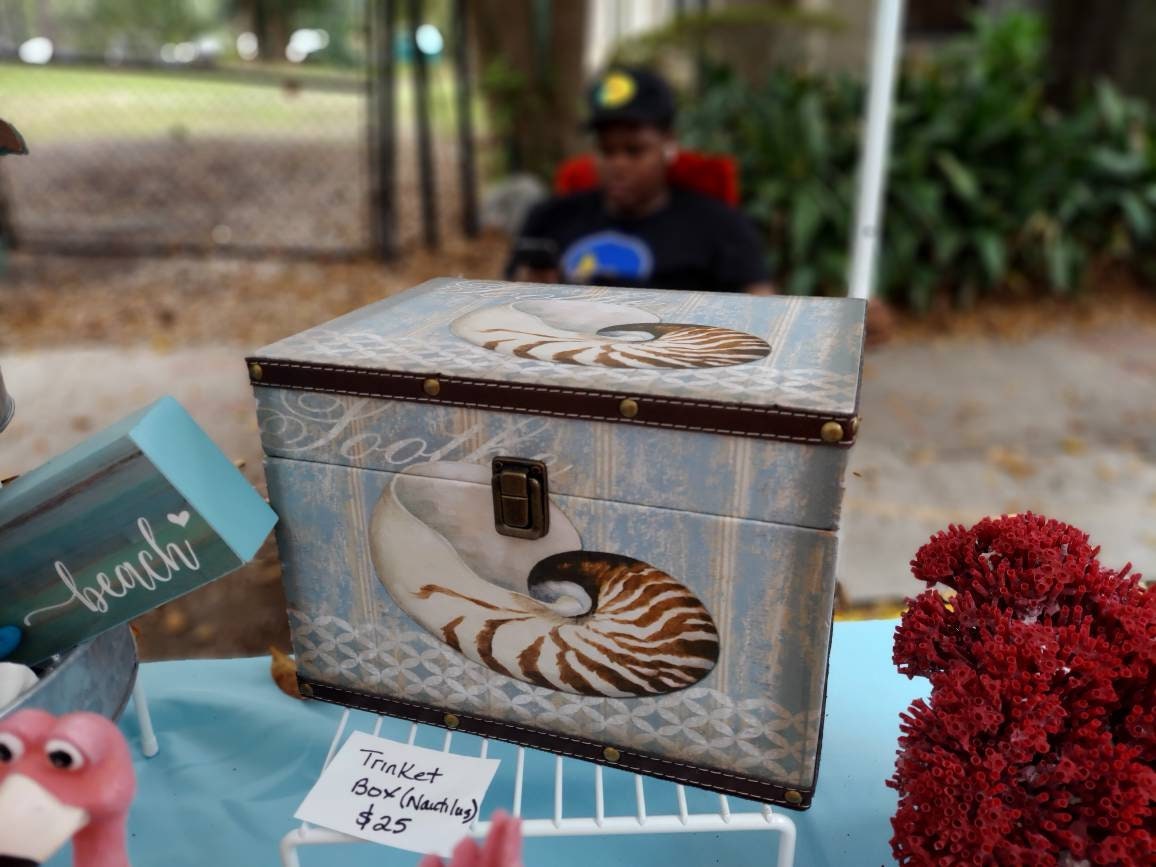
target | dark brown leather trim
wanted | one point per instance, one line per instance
(590, 751)
(823, 704)
(696, 415)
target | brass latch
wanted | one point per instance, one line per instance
(521, 498)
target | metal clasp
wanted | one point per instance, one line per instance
(521, 498)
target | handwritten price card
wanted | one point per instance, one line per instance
(136, 515)
(398, 795)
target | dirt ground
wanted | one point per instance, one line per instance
(48, 301)
(278, 195)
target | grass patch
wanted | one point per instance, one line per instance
(56, 104)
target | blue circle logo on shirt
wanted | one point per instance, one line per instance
(608, 255)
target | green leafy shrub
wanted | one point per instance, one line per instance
(796, 142)
(989, 190)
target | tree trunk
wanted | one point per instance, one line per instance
(1092, 40)
(567, 50)
(277, 26)
(531, 65)
(270, 22)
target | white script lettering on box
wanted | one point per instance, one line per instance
(154, 564)
(303, 429)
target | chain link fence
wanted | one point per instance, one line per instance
(199, 144)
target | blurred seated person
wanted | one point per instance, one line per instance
(637, 230)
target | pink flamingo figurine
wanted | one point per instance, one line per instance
(63, 777)
(503, 847)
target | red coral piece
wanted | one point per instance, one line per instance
(1038, 744)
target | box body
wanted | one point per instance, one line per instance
(675, 616)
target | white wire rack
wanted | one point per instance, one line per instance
(149, 746)
(571, 818)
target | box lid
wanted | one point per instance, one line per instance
(775, 367)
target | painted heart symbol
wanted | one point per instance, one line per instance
(180, 520)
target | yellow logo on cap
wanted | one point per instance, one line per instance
(617, 89)
(587, 265)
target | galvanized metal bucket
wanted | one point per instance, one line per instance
(7, 405)
(96, 676)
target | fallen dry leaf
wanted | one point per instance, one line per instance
(1011, 461)
(881, 609)
(967, 411)
(175, 621)
(283, 668)
(204, 632)
(1073, 445)
(922, 456)
(1106, 473)
(161, 343)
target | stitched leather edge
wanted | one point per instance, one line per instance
(773, 423)
(710, 779)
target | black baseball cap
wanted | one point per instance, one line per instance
(625, 94)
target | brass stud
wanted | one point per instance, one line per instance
(431, 387)
(305, 689)
(628, 408)
(831, 432)
(855, 426)
(611, 754)
(255, 371)
(451, 720)
(793, 797)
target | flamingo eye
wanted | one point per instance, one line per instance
(64, 755)
(11, 747)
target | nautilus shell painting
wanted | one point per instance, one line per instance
(601, 334)
(542, 611)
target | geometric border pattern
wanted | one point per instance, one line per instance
(756, 737)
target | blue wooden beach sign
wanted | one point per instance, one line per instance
(133, 517)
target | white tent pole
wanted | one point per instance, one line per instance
(873, 163)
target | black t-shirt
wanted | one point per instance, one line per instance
(692, 242)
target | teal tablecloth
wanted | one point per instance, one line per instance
(237, 757)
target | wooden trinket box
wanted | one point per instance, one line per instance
(600, 522)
